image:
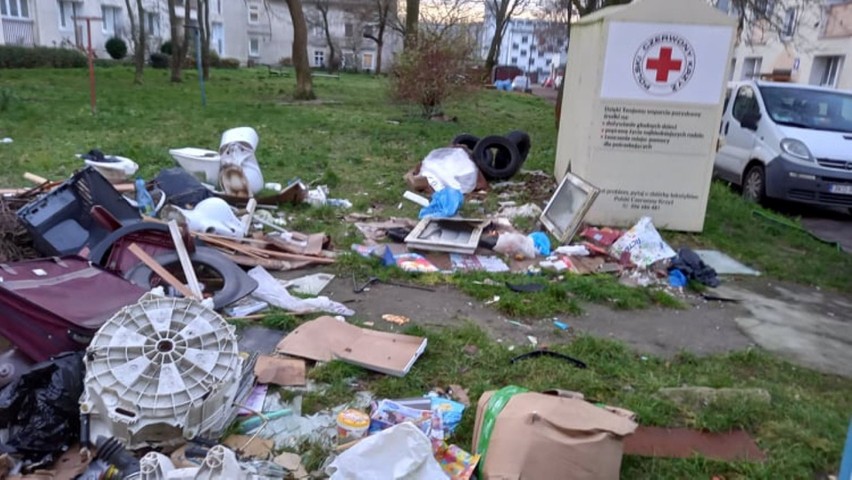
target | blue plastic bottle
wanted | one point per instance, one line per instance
(143, 198)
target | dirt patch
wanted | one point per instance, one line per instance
(704, 328)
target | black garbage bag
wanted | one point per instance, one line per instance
(181, 188)
(694, 268)
(41, 409)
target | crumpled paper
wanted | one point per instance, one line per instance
(273, 292)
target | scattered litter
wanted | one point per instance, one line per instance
(690, 265)
(310, 284)
(270, 290)
(212, 215)
(246, 307)
(454, 235)
(290, 461)
(604, 237)
(413, 262)
(677, 279)
(723, 264)
(396, 319)
(489, 282)
(570, 202)
(450, 168)
(352, 425)
(516, 245)
(250, 446)
(326, 339)
(549, 353)
(643, 244)
(254, 402)
(456, 463)
(473, 263)
(445, 203)
(402, 451)
(560, 325)
(6, 140)
(541, 243)
(280, 371)
(528, 210)
(239, 172)
(736, 445)
(418, 199)
(533, 340)
(493, 300)
(573, 250)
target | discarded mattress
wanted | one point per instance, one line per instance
(55, 305)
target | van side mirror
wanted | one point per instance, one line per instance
(749, 121)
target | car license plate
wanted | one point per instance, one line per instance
(841, 189)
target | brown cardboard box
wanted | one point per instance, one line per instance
(553, 435)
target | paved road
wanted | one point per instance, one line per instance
(829, 225)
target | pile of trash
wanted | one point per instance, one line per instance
(117, 298)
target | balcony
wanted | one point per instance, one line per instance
(18, 31)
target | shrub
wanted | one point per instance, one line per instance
(160, 60)
(40, 57)
(214, 59)
(166, 47)
(430, 73)
(231, 63)
(116, 48)
(285, 62)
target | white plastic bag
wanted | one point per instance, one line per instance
(644, 244)
(273, 292)
(450, 167)
(400, 452)
(515, 245)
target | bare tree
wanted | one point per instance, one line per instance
(321, 20)
(502, 12)
(177, 53)
(137, 33)
(304, 84)
(204, 31)
(439, 18)
(378, 20)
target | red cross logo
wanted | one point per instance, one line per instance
(664, 64)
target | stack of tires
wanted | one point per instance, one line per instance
(499, 157)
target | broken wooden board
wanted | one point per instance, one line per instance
(286, 372)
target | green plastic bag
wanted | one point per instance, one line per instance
(495, 405)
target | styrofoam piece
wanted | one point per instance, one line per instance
(159, 370)
(244, 135)
(724, 264)
(201, 163)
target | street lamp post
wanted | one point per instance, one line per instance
(192, 25)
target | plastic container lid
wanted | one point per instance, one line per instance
(353, 419)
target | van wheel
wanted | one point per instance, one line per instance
(754, 184)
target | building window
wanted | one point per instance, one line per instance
(348, 30)
(548, 62)
(515, 46)
(515, 60)
(254, 47)
(152, 24)
(67, 12)
(15, 8)
(317, 30)
(219, 7)
(525, 39)
(826, 71)
(540, 54)
(111, 19)
(319, 58)
(788, 28)
(217, 37)
(523, 53)
(751, 68)
(254, 14)
(367, 61)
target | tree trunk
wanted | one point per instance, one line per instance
(304, 85)
(412, 15)
(139, 56)
(177, 56)
(500, 22)
(204, 25)
(332, 57)
(379, 46)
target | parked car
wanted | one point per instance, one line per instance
(787, 141)
(521, 83)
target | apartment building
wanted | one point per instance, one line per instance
(249, 30)
(810, 45)
(535, 46)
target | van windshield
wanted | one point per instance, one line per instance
(805, 108)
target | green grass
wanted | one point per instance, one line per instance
(802, 431)
(352, 147)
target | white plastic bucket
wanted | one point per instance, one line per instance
(202, 164)
(352, 425)
(244, 135)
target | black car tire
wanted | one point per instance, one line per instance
(497, 157)
(522, 141)
(754, 184)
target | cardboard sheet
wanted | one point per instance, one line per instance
(287, 372)
(326, 339)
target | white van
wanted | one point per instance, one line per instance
(787, 141)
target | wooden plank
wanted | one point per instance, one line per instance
(267, 263)
(185, 262)
(236, 247)
(36, 179)
(159, 270)
(252, 204)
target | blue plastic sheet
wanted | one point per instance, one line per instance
(541, 242)
(444, 203)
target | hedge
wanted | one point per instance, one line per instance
(40, 57)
